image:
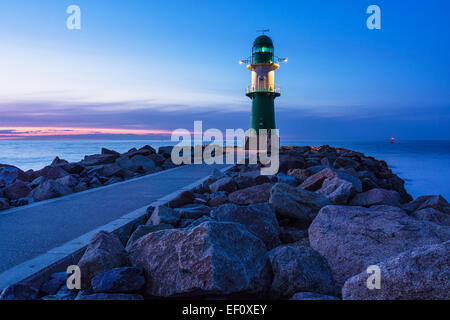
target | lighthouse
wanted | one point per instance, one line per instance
(263, 63)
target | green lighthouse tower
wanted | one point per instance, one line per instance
(263, 90)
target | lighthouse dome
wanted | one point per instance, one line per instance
(263, 50)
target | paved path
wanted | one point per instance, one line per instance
(31, 231)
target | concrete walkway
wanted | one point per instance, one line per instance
(29, 232)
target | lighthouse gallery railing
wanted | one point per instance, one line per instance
(263, 88)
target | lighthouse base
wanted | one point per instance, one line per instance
(263, 142)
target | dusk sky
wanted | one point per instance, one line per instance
(139, 69)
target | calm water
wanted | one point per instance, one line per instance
(424, 165)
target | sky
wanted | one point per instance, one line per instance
(141, 69)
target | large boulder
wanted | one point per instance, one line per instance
(50, 189)
(376, 197)
(296, 203)
(144, 230)
(226, 184)
(184, 198)
(9, 174)
(259, 219)
(138, 164)
(99, 159)
(164, 215)
(211, 259)
(435, 202)
(54, 172)
(17, 190)
(353, 238)
(314, 182)
(166, 151)
(298, 268)
(119, 280)
(419, 274)
(104, 252)
(337, 190)
(69, 181)
(252, 195)
(300, 174)
(430, 214)
(290, 161)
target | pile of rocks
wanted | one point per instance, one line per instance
(308, 233)
(19, 188)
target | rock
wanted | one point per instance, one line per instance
(82, 186)
(192, 211)
(344, 162)
(53, 173)
(109, 297)
(20, 292)
(144, 230)
(284, 178)
(16, 190)
(115, 170)
(149, 149)
(110, 152)
(104, 252)
(259, 219)
(430, 214)
(138, 164)
(244, 182)
(376, 197)
(36, 182)
(311, 296)
(59, 162)
(163, 215)
(9, 174)
(63, 294)
(225, 184)
(50, 189)
(300, 174)
(210, 259)
(216, 174)
(252, 195)
(292, 235)
(296, 203)
(418, 274)
(315, 182)
(157, 158)
(166, 152)
(336, 190)
(95, 183)
(99, 159)
(435, 202)
(119, 280)
(54, 284)
(217, 199)
(184, 198)
(4, 204)
(298, 268)
(168, 164)
(288, 161)
(353, 238)
(21, 202)
(68, 181)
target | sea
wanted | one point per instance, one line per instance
(424, 165)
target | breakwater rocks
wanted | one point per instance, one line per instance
(311, 232)
(19, 188)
